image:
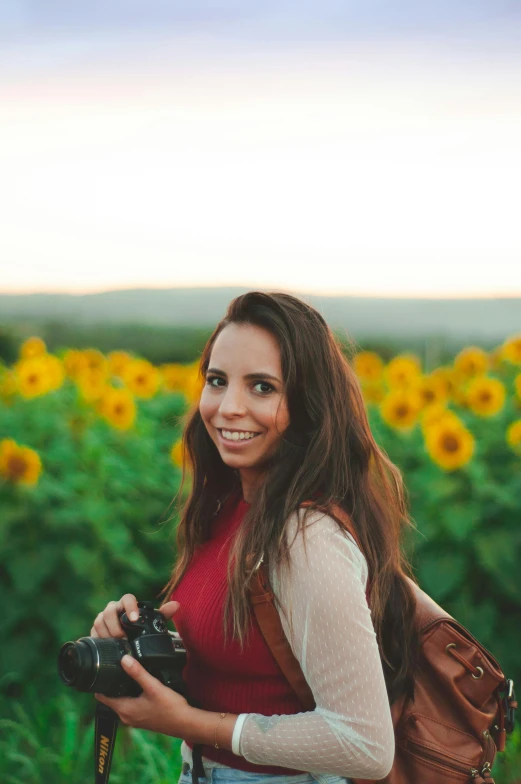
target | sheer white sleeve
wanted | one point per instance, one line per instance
(324, 612)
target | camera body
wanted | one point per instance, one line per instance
(93, 664)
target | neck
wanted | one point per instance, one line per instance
(251, 480)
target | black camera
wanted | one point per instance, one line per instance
(93, 664)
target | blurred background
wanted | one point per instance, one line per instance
(156, 160)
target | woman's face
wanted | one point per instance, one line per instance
(244, 395)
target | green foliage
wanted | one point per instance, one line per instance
(156, 343)
(92, 529)
(466, 548)
(54, 740)
(98, 524)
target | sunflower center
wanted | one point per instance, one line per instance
(485, 396)
(402, 411)
(32, 378)
(119, 409)
(16, 467)
(450, 443)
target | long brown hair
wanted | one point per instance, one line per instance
(327, 454)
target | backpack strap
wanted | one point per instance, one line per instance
(263, 602)
(268, 619)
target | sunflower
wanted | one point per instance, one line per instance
(174, 376)
(33, 377)
(8, 385)
(373, 393)
(368, 366)
(471, 361)
(511, 350)
(495, 358)
(118, 360)
(142, 378)
(444, 376)
(486, 396)
(94, 360)
(32, 347)
(459, 384)
(449, 444)
(193, 385)
(514, 435)
(400, 409)
(92, 384)
(55, 370)
(74, 363)
(437, 413)
(117, 406)
(19, 464)
(178, 454)
(403, 370)
(430, 389)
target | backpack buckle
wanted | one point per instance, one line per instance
(510, 705)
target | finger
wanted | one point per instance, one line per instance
(138, 673)
(129, 604)
(101, 627)
(111, 616)
(169, 609)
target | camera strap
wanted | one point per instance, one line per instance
(106, 726)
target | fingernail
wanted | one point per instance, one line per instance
(134, 616)
(127, 660)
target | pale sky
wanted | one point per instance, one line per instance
(371, 156)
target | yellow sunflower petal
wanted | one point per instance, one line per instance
(400, 409)
(368, 366)
(33, 377)
(118, 408)
(19, 464)
(471, 361)
(513, 435)
(511, 350)
(32, 347)
(403, 370)
(449, 444)
(141, 378)
(485, 396)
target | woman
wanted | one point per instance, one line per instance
(281, 421)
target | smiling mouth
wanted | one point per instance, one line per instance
(237, 438)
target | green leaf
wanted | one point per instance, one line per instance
(439, 574)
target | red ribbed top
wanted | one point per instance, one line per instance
(219, 676)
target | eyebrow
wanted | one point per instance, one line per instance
(248, 376)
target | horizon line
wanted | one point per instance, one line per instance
(360, 294)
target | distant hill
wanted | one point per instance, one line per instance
(485, 320)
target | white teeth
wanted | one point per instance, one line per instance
(235, 436)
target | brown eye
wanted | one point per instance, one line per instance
(265, 384)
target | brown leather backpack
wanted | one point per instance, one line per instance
(463, 705)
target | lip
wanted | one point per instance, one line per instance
(235, 444)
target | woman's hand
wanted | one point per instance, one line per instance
(107, 622)
(158, 708)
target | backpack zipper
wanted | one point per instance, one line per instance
(488, 756)
(442, 760)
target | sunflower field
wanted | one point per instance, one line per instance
(90, 460)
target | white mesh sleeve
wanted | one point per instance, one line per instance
(325, 616)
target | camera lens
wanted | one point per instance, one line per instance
(92, 664)
(69, 661)
(76, 664)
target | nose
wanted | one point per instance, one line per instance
(232, 402)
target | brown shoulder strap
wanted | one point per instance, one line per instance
(268, 618)
(338, 513)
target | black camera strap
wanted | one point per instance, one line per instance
(106, 726)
